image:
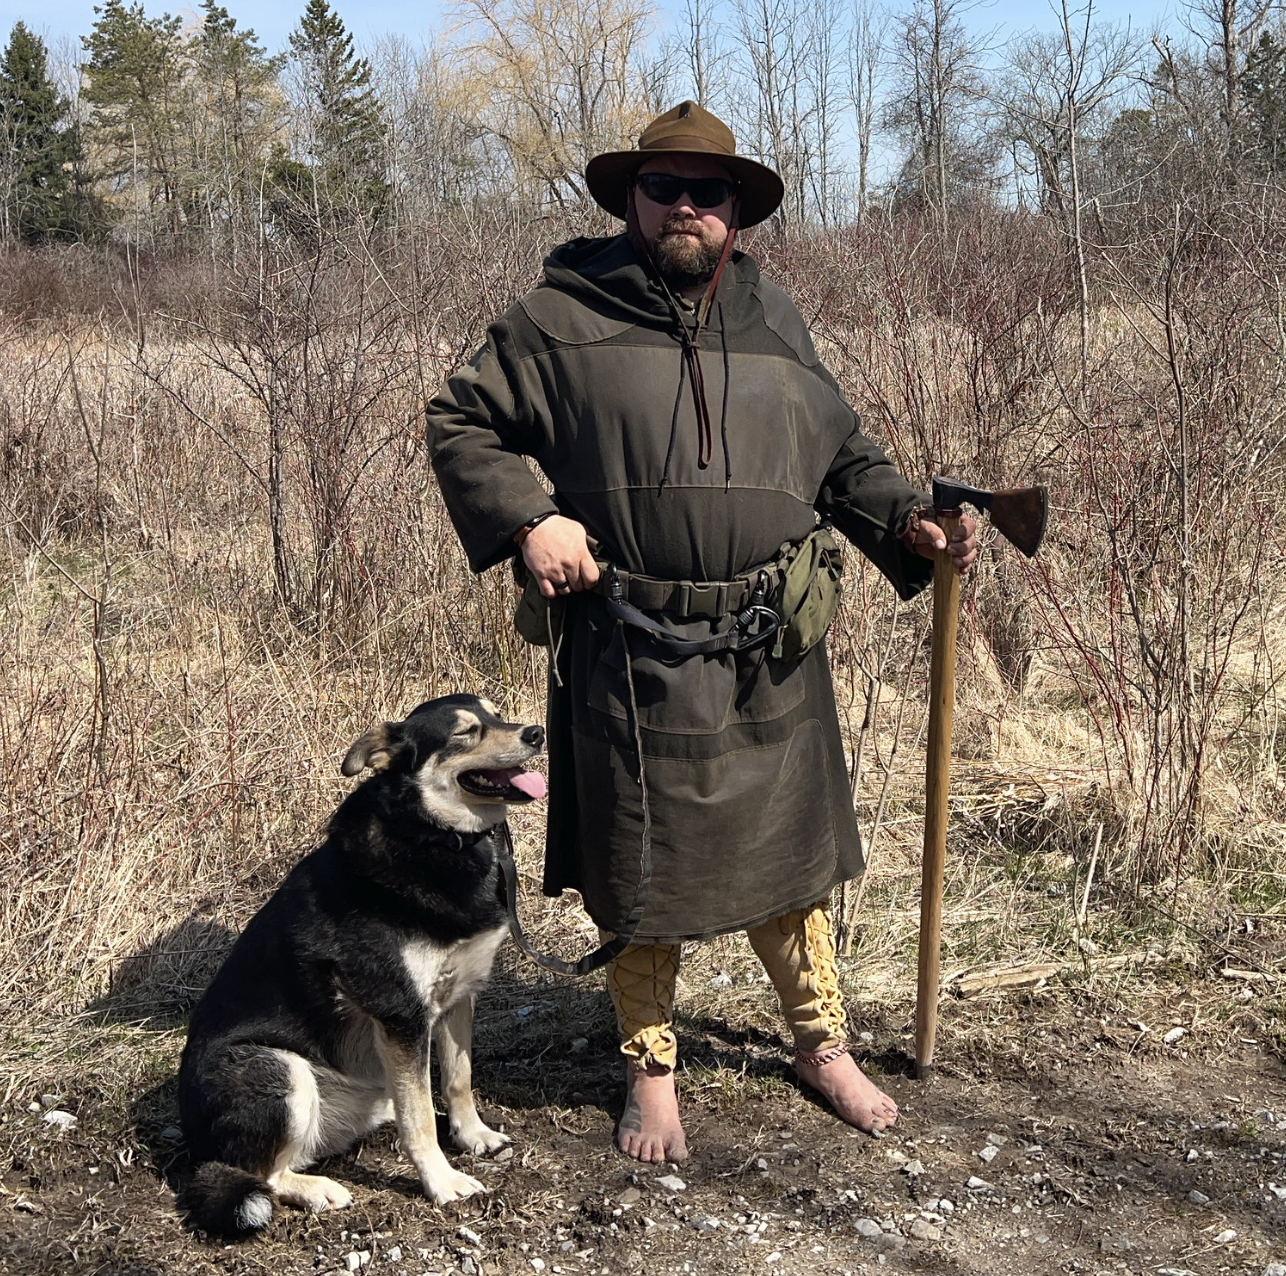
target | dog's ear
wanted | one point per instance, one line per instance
(375, 748)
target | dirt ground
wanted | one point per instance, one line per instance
(1060, 1133)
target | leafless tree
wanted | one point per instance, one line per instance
(866, 54)
(1042, 87)
(1228, 28)
(788, 59)
(563, 80)
(938, 90)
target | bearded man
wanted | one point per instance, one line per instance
(673, 398)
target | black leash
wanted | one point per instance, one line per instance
(509, 870)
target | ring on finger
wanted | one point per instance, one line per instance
(562, 584)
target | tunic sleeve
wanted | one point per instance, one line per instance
(478, 431)
(868, 500)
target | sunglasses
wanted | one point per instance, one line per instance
(666, 189)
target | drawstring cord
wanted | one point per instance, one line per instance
(674, 426)
(690, 358)
(723, 414)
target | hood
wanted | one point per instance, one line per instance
(607, 275)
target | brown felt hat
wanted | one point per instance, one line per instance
(688, 129)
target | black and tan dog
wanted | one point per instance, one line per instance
(317, 1027)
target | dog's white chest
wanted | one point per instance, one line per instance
(443, 974)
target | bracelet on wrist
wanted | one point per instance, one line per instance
(527, 528)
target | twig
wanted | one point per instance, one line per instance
(1089, 880)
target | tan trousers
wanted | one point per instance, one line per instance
(798, 953)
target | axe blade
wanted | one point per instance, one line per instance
(1019, 514)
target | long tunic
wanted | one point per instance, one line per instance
(744, 763)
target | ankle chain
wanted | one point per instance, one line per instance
(816, 1058)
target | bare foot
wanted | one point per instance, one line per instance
(851, 1093)
(650, 1129)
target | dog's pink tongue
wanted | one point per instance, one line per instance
(532, 783)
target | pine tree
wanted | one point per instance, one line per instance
(136, 86)
(346, 126)
(237, 111)
(1263, 92)
(41, 146)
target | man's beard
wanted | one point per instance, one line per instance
(686, 261)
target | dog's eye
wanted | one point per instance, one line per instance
(465, 733)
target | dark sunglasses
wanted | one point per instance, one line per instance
(666, 189)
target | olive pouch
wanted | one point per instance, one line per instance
(809, 593)
(536, 618)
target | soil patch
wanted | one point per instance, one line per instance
(1073, 1141)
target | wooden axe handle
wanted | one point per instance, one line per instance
(942, 705)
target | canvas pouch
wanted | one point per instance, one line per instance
(809, 593)
(536, 618)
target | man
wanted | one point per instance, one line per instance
(673, 398)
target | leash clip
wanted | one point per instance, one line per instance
(756, 610)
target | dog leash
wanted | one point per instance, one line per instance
(509, 869)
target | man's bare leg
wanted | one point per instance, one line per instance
(855, 1098)
(641, 981)
(798, 952)
(650, 1129)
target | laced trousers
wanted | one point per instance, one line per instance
(798, 953)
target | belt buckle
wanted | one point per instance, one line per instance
(707, 598)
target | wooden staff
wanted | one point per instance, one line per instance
(942, 705)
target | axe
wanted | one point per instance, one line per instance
(1018, 514)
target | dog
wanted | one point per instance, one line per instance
(317, 1027)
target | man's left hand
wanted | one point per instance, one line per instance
(927, 539)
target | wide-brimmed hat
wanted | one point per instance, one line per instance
(688, 129)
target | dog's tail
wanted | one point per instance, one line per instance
(226, 1201)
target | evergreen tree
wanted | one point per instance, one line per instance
(40, 145)
(136, 86)
(237, 108)
(1263, 92)
(346, 128)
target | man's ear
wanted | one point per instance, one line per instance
(375, 748)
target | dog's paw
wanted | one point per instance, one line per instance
(313, 1192)
(480, 1139)
(451, 1185)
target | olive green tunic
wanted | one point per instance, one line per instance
(745, 765)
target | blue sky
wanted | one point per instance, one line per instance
(273, 19)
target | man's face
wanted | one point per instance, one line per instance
(685, 239)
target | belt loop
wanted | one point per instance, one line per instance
(721, 600)
(684, 607)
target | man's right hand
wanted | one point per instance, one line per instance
(556, 552)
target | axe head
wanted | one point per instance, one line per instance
(1019, 514)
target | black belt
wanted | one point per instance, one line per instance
(756, 622)
(683, 599)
